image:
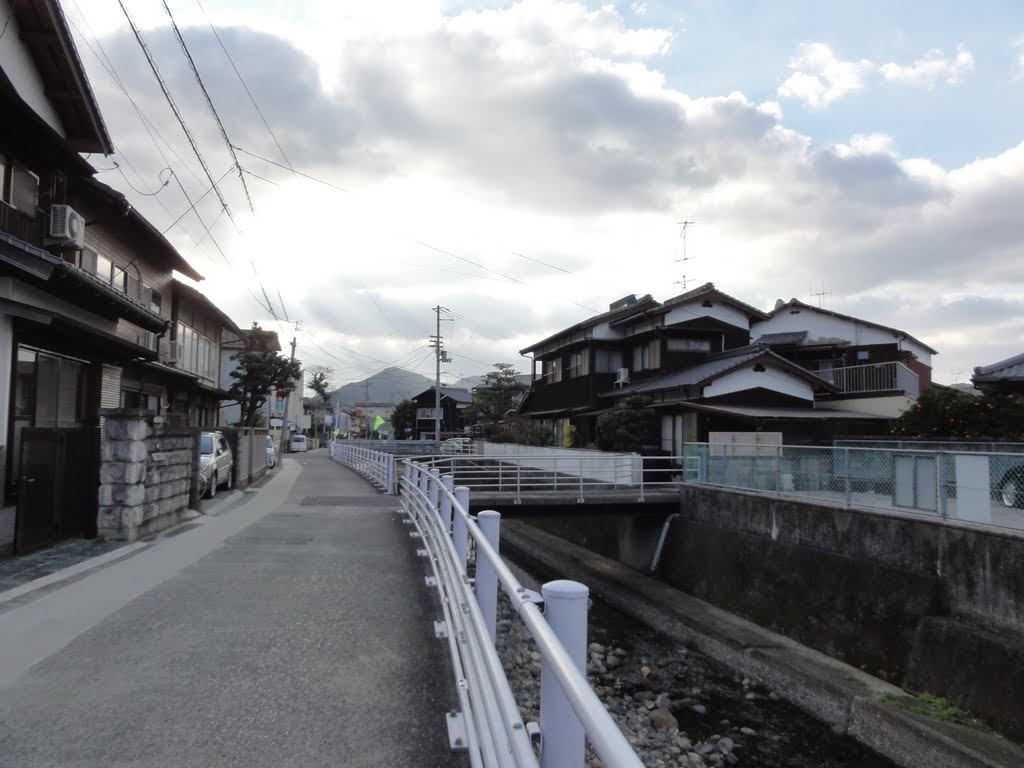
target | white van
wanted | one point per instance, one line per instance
(297, 444)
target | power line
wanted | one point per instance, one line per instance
(297, 173)
(193, 205)
(209, 102)
(245, 87)
(177, 113)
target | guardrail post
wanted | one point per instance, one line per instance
(565, 609)
(434, 484)
(459, 532)
(390, 490)
(445, 505)
(486, 577)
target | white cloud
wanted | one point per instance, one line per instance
(640, 9)
(932, 68)
(547, 129)
(819, 78)
(1018, 45)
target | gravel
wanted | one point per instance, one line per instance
(628, 687)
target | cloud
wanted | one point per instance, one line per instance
(931, 68)
(548, 129)
(819, 78)
(1018, 46)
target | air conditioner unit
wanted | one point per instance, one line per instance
(173, 353)
(622, 377)
(67, 225)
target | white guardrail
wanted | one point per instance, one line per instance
(489, 725)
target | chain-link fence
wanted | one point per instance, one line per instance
(975, 486)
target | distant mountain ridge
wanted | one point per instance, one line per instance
(392, 385)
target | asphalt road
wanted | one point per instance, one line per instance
(292, 628)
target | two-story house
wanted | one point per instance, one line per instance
(692, 357)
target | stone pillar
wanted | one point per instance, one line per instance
(122, 491)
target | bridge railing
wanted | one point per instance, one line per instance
(972, 486)
(586, 476)
(376, 466)
(489, 724)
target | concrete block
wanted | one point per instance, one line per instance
(130, 495)
(133, 450)
(135, 472)
(127, 429)
(106, 495)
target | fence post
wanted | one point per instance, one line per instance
(565, 609)
(459, 527)
(486, 577)
(778, 469)
(641, 460)
(445, 505)
(434, 484)
(849, 493)
(941, 483)
(519, 474)
(390, 490)
(580, 498)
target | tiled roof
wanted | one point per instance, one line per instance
(800, 305)
(1011, 369)
(711, 368)
(787, 337)
(708, 289)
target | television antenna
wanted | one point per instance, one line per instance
(686, 224)
(820, 294)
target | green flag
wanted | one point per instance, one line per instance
(378, 423)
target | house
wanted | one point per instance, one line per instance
(454, 400)
(692, 356)
(89, 310)
(1004, 377)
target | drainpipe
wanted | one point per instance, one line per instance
(661, 541)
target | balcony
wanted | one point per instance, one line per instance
(17, 224)
(577, 393)
(876, 377)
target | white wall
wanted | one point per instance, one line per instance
(889, 407)
(623, 468)
(17, 64)
(773, 378)
(822, 326)
(720, 311)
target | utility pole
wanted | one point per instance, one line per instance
(440, 357)
(288, 400)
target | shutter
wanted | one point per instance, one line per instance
(110, 394)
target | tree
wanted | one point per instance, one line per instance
(261, 370)
(629, 427)
(404, 416)
(500, 393)
(321, 381)
(944, 412)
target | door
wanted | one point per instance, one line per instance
(57, 486)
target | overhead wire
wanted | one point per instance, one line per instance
(209, 102)
(177, 113)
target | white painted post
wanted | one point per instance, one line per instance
(459, 533)
(390, 490)
(565, 609)
(486, 577)
(435, 487)
(445, 505)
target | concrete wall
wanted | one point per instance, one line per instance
(573, 462)
(931, 606)
(148, 474)
(249, 452)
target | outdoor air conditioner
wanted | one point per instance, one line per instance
(173, 353)
(67, 225)
(622, 377)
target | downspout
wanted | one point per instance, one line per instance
(661, 541)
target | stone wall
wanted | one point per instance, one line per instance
(148, 474)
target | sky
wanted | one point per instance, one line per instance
(524, 164)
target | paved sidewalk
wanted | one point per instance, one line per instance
(293, 629)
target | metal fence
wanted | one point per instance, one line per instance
(587, 476)
(396, 447)
(488, 724)
(973, 486)
(376, 466)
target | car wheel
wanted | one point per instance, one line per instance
(1011, 489)
(211, 490)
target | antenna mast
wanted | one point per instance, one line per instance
(819, 294)
(686, 223)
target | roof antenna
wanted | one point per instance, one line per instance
(686, 223)
(819, 294)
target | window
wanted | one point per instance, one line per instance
(197, 352)
(607, 360)
(19, 187)
(647, 356)
(863, 355)
(118, 279)
(577, 364)
(154, 301)
(552, 370)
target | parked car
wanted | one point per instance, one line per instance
(216, 464)
(297, 444)
(271, 453)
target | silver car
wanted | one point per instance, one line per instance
(216, 464)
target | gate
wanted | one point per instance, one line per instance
(57, 486)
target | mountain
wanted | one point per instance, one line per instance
(392, 385)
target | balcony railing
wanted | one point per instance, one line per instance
(20, 225)
(876, 377)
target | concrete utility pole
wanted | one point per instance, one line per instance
(440, 357)
(288, 402)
